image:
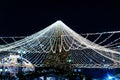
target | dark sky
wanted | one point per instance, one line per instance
(21, 18)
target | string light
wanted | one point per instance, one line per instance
(59, 37)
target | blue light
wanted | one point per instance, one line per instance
(79, 70)
(75, 70)
(109, 77)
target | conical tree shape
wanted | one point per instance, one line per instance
(56, 39)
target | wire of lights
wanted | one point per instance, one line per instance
(59, 37)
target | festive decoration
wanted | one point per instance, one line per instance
(59, 43)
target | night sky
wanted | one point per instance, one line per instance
(22, 18)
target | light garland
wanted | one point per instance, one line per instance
(59, 37)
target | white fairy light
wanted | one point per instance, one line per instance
(59, 37)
